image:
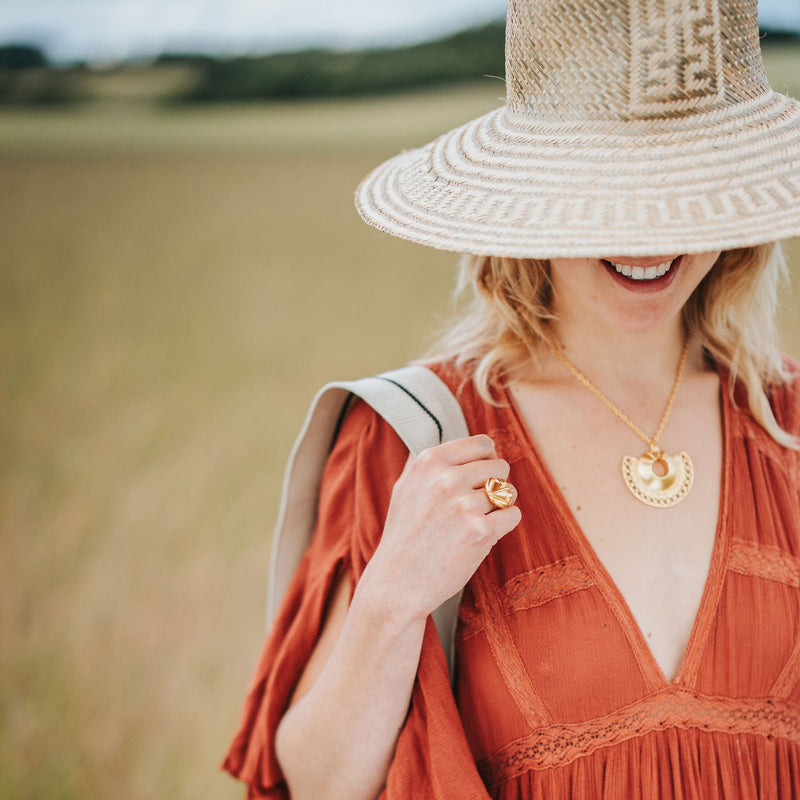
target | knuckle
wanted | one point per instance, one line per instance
(485, 441)
(427, 461)
(480, 530)
(447, 482)
(426, 457)
(462, 505)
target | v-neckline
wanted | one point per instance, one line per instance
(651, 670)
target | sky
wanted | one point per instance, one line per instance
(110, 30)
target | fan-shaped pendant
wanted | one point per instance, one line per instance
(658, 479)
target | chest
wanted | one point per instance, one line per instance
(553, 656)
(657, 559)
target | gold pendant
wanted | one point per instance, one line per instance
(657, 479)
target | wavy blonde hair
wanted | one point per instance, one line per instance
(732, 313)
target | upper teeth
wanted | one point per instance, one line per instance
(643, 273)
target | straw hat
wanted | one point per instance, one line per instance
(631, 127)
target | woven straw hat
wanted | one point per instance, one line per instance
(631, 127)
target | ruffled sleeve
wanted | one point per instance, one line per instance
(432, 759)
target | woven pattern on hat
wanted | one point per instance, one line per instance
(636, 127)
(676, 57)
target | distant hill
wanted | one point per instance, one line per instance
(465, 56)
(775, 35)
(27, 79)
(21, 56)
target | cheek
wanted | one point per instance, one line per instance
(575, 275)
(702, 264)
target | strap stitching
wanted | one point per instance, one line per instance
(418, 402)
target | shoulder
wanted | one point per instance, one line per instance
(364, 434)
(366, 457)
(364, 431)
(495, 415)
(460, 379)
(364, 462)
(785, 398)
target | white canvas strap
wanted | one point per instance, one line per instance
(421, 409)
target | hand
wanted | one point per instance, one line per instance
(439, 527)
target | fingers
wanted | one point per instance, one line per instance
(502, 521)
(476, 473)
(440, 514)
(485, 531)
(476, 476)
(464, 451)
(463, 466)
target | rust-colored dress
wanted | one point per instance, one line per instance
(558, 696)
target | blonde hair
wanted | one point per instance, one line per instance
(732, 313)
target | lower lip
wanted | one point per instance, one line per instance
(644, 286)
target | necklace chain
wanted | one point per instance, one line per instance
(652, 441)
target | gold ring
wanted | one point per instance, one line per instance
(501, 494)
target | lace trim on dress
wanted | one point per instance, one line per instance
(764, 561)
(560, 744)
(505, 652)
(469, 622)
(543, 584)
(532, 589)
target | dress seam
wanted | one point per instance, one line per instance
(560, 744)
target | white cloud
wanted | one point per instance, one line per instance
(118, 28)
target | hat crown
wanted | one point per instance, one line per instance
(630, 59)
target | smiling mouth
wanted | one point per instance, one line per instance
(638, 273)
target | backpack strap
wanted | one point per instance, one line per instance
(424, 413)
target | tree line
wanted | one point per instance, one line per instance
(26, 77)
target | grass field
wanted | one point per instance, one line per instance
(174, 286)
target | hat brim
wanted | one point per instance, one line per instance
(504, 186)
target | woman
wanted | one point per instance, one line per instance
(626, 632)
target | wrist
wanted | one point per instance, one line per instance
(379, 604)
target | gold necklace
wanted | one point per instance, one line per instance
(655, 478)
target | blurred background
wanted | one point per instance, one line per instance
(180, 268)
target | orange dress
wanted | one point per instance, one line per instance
(557, 695)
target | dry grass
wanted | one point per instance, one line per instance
(166, 318)
(173, 289)
(387, 123)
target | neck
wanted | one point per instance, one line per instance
(623, 358)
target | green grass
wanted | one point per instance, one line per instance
(174, 287)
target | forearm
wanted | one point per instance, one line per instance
(338, 740)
